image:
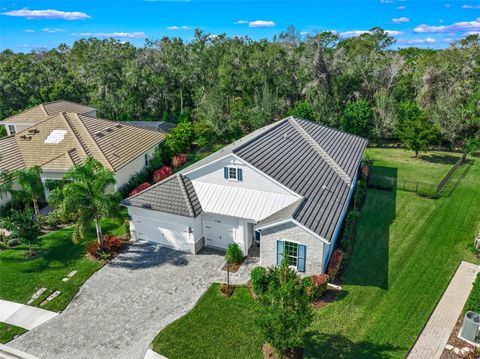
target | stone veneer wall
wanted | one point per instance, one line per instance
(291, 232)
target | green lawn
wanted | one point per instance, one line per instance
(407, 249)
(8, 332)
(57, 256)
(217, 327)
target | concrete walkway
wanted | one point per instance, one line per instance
(434, 337)
(23, 316)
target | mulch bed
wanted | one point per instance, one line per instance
(234, 266)
(268, 353)
(329, 297)
(455, 341)
(227, 290)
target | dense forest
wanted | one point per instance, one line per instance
(226, 87)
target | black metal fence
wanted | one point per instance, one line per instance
(392, 184)
(450, 174)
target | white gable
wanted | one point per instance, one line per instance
(255, 197)
(252, 178)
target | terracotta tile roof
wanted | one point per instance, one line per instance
(59, 142)
(41, 112)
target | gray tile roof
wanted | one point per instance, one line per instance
(285, 155)
(174, 195)
(314, 161)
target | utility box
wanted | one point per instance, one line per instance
(471, 327)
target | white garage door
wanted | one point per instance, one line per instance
(218, 234)
(167, 234)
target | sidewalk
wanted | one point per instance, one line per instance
(23, 316)
(434, 337)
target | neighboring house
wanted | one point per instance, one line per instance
(161, 126)
(287, 185)
(36, 114)
(61, 141)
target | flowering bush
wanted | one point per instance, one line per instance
(179, 160)
(140, 188)
(111, 244)
(334, 264)
(162, 173)
(318, 285)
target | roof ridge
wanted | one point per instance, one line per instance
(185, 195)
(56, 158)
(44, 109)
(65, 114)
(316, 146)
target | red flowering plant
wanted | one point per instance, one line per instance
(140, 188)
(162, 173)
(318, 285)
(179, 160)
(335, 262)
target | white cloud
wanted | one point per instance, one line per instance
(470, 6)
(427, 40)
(261, 23)
(355, 33)
(401, 7)
(116, 35)
(240, 22)
(447, 5)
(47, 14)
(51, 31)
(457, 26)
(304, 33)
(386, 1)
(399, 20)
(440, 21)
(472, 33)
(178, 28)
(28, 30)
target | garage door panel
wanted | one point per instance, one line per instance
(167, 234)
(219, 235)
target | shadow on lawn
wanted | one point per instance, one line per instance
(319, 345)
(440, 159)
(368, 264)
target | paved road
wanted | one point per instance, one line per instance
(432, 340)
(122, 307)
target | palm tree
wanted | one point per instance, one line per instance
(87, 195)
(31, 185)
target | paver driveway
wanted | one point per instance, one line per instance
(120, 309)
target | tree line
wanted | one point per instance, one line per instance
(228, 86)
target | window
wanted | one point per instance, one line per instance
(293, 252)
(146, 160)
(12, 129)
(233, 173)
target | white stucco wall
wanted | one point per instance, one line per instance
(123, 174)
(178, 224)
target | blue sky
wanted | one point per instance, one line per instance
(27, 25)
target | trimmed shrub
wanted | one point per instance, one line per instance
(162, 173)
(140, 188)
(334, 265)
(134, 181)
(234, 254)
(360, 193)
(259, 280)
(473, 302)
(179, 160)
(318, 286)
(349, 230)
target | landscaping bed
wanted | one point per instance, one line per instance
(57, 257)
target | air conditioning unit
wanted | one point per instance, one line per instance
(471, 327)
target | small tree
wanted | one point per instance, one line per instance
(180, 138)
(417, 134)
(87, 196)
(31, 185)
(303, 110)
(284, 311)
(233, 255)
(357, 118)
(23, 226)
